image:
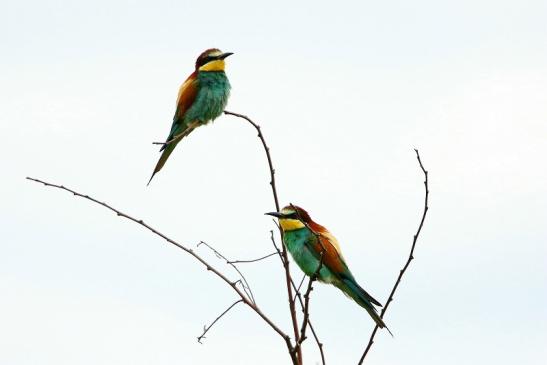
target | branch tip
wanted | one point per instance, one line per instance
(410, 258)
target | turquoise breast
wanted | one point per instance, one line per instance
(299, 243)
(213, 93)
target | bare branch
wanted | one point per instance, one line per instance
(244, 283)
(315, 336)
(410, 258)
(266, 149)
(317, 235)
(277, 249)
(306, 310)
(207, 328)
(297, 293)
(254, 260)
(179, 136)
(233, 285)
(299, 297)
(305, 306)
(284, 250)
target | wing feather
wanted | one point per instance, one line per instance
(332, 256)
(186, 96)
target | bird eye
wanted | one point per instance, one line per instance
(206, 60)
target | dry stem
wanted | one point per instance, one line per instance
(410, 258)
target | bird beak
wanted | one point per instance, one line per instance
(224, 55)
(275, 214)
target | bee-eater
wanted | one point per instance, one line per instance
(201, 99)
(313, 247)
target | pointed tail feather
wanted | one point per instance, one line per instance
(167, 150)
(365, 300)
(376, 317)
(170, 145)
(364, 293)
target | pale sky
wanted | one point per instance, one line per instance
(344, 91)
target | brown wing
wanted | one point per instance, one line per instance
(187, 95)
(332, 257)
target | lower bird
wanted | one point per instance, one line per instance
(201, 99)
(313, 247)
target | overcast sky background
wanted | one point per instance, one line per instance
(344, 91)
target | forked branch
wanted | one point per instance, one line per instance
(284, 251)
(207, 328)
(298, 296)
(244, 283)
(306, 309)
(232, 284)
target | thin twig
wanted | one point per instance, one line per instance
(300, 286)
(207, 328)
(254, 260)
(266, 149)
(307, 296)
(317, 235)
(233, 285)
(277, 248)
(410, 258)
(168, 142)
(244, 282)
(315, 336)
(277, 207)
(179, 136)
(299, 297)
(305, 320)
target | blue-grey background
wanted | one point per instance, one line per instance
(344, 92)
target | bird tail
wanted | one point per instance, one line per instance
(163, 158)
(171, 142)
(365, 300)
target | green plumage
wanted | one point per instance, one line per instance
(213, 90)
(301, 244)
(213, 93)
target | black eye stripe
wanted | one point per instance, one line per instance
(207, 59)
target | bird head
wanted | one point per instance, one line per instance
(292, 218)
(212, 60)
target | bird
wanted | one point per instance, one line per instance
(201, 99)
(317, 252)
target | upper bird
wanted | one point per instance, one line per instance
(201, 99)
(306, 240)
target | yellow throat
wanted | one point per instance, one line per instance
(290, 224)
(216, 65)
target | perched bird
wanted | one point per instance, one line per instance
(201, 99)
(312, 246)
